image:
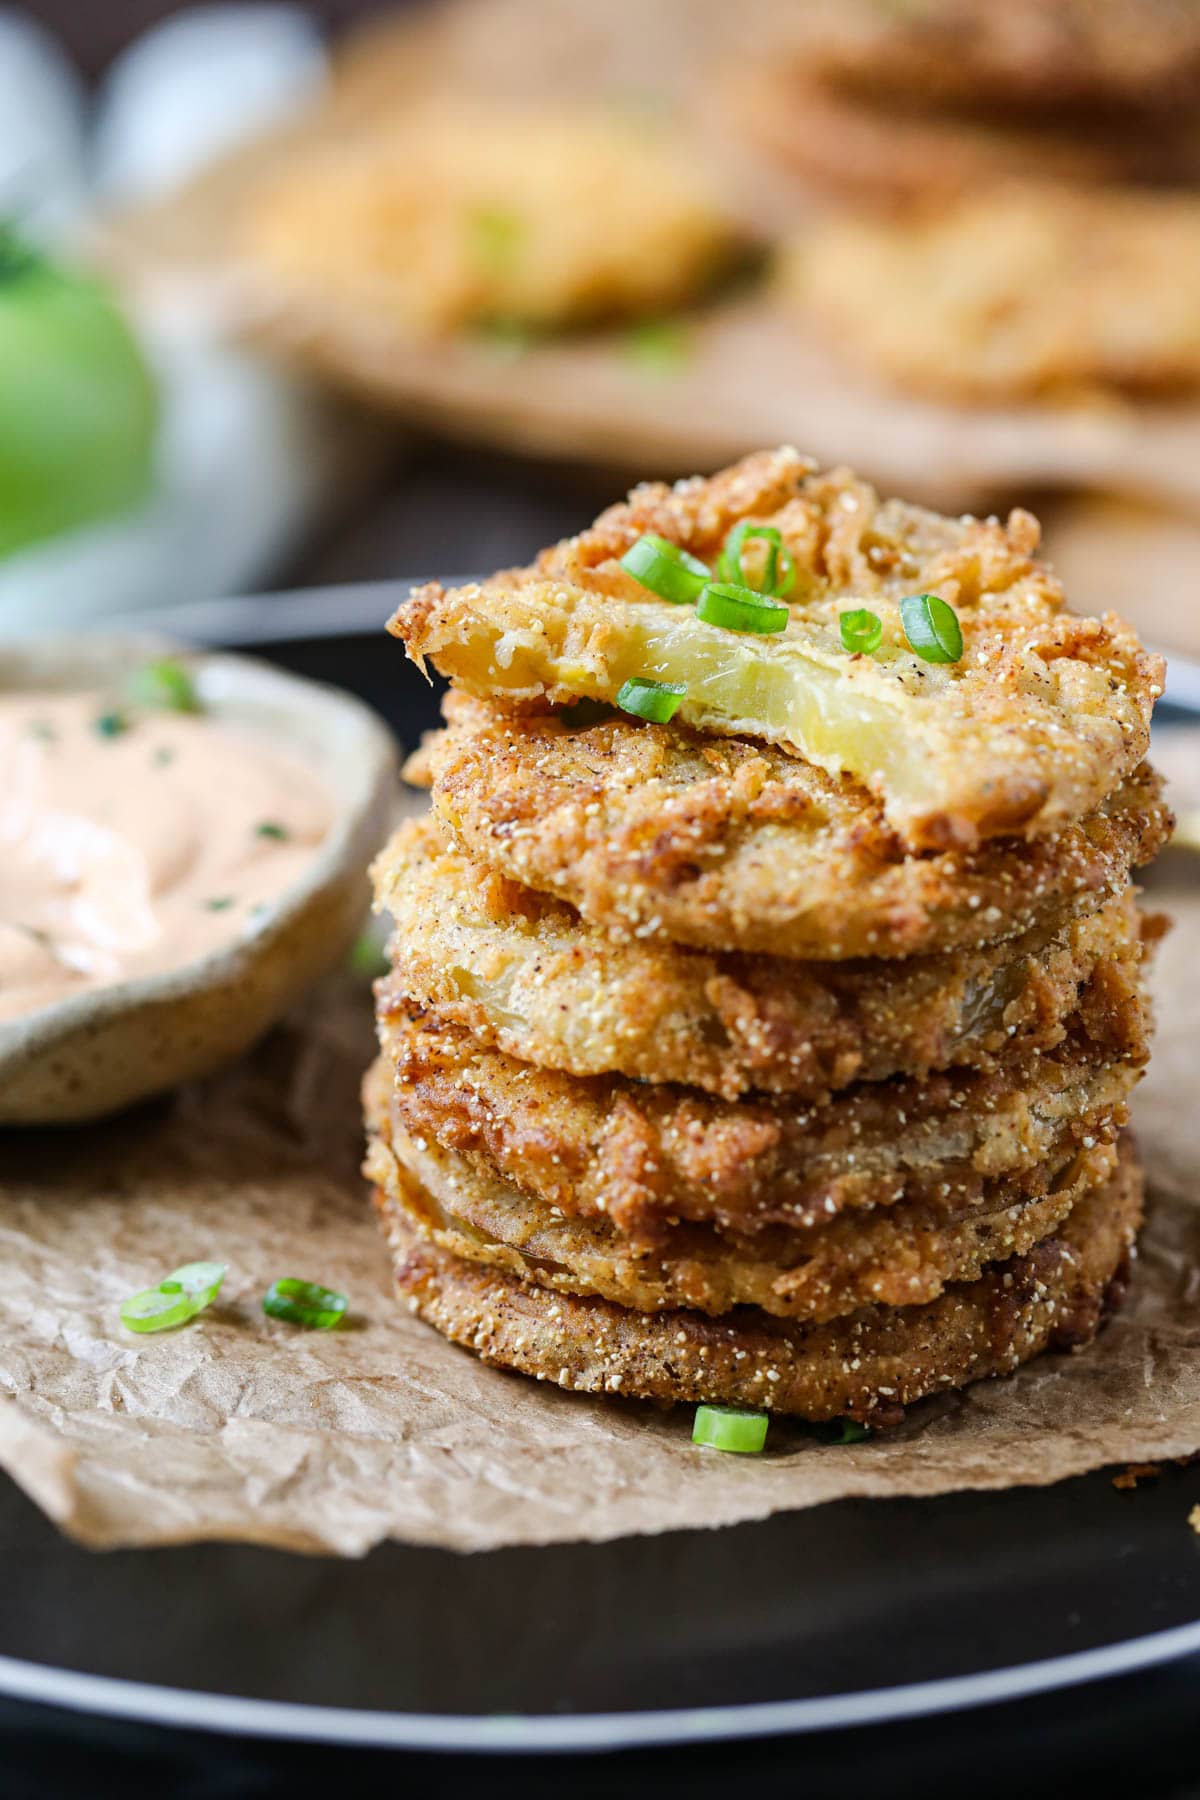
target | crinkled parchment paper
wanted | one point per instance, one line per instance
(239, 1427)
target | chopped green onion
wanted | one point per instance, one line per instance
(111, 725)
(167, 685)
(727, 1428)
(845, 1431)
(496, 234)
(185, 1292)
(932, 628)
(862, 631)
(654, 700)
(155, 1310)
(200, 1281)
(222, 903)
(779, 571)
(304, 1303)
(367, 957)
(163, 756)
(665, 569)
(737, 608)
(660, 347)
(505, 339)
(270, 829)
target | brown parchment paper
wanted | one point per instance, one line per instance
(236, 1426)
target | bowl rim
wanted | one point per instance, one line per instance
(56, 661)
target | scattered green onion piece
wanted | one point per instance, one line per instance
(862, 631)
(367, 957)
(665, 569)
(222, 903)
(657, 701)
(737, 608)
(659, 347)
(845, 1431)
(199, 1281)
(167, 685)
(932, 628)
(779, 570)
(111, 725)
(727, 1428)
(269, 828)
(504, 340)
(496, 234)
(156, 1310)
(304, 1303)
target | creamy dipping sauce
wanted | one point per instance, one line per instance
(133, 842)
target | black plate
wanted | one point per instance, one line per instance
(853, 1613)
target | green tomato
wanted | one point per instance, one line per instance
(78, 403)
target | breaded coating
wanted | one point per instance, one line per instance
(730, 845)
(854, 150)
(449, 217)
(524, 974)
(868, 1366)
(647, 1155)
(903, 1255)
(1029, 56)
(1038, 721)
(1017, 292)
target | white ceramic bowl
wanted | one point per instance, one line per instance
(99, 1051)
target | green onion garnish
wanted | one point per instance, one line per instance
(269, 828)
(200, 1281)
(222, 903)
(779, 571)
(367, 957)
(496, 235)
(154, 1310)
(165, 684)
(304, 1303)
(727, 1428)
(845, 1431)
(862, 631)
(184, 1293)
(111, 725)
(665, 569)
(660, 347)
(654, 700)
(932, 628)
(737, 608)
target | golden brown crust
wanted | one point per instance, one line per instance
(1025, 57)
(1021, 291)
(869, 1365)
(903, 1255)
(725, 844)
(1039, 719)
(645, 1155)
(524, 974)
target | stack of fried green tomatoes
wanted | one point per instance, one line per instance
(766, 984)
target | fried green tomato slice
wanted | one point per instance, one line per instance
(523, 973)
(646, 1155)
(869, 1365)
(443, 219)
(897, 1256)
(1019, 292)
(730, 845)
(1038, 720)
